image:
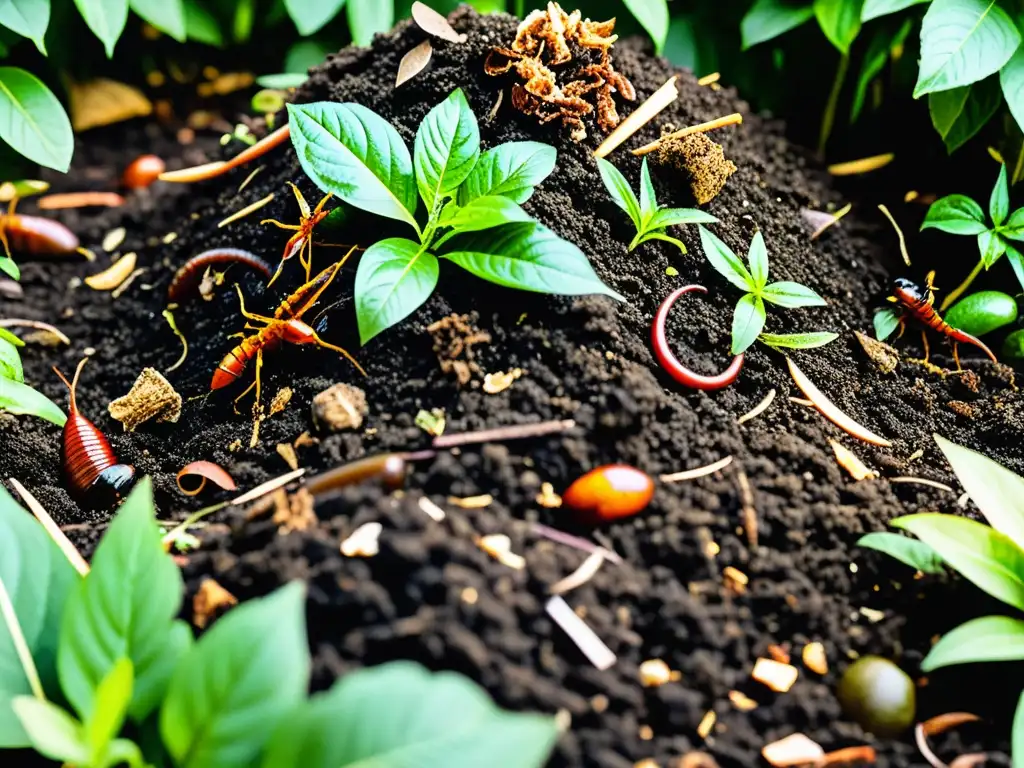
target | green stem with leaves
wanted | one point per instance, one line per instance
(828, 119)
(959, 290)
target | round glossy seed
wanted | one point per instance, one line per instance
(609, 492)
(142, 171)
(878, 695)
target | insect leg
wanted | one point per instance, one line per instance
(927, 350)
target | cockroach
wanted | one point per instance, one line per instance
(93, 473)
(301, 242)
(35, 235)
(917, 304)
(186, 280)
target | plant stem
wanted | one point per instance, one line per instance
(20, 645)
(828, 119)
(1018, 168)
(520, 8)
(959, 290)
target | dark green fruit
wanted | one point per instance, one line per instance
(982, 312)
(1013, 346)
(878, 695)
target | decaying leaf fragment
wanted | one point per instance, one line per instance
(500, 380)
(499, 546)
(432, 422)
(340, 406)
(102, 102)
(433, 23)
(414, 62)
(211, 601)
(795, 749)
(880, 353)
(296, 512)
(151, 397)
(848, 460)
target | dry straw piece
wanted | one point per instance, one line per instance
(719, 122)
(693, 474)
(830, 411)
(599, 654)
(151, 397)
(863, 165)
(80, 200)
(899, 233)
(758, 409)
(642, 115)
(587, 570)
(849, 461)
(251, 208)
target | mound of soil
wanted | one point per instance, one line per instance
(432, 594)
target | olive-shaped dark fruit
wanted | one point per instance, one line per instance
(878, 695)
(982, 312)
(1013, 345)
(609, 492)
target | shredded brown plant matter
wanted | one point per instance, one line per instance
(454, 338)
(546, 39)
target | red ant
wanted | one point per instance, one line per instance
(302, 241)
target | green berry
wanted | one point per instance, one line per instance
(878, 695)
(1013, 346)
(982, 312)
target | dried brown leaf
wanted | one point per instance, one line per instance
(414, 62)
(433, 23)
(102, 102)
(881, 354)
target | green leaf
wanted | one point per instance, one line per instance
(201, 26)
(231, 690)
(791, 295)
(656, 234)
(29, 18)
(166, 15)
(875, 8)
(1016, 259)
(53, 732)
(959, 114)
(767, 19)
(529, 257)
(511, 170)
(1011, 78)
(809, 340)
(991, 246)
(982, 555)
(32, 120)
(112, 698)
(653, 16)
(999, 202)
(672, 217)
(21, 399)
(399, 714)
(356, 154)
(311, 17)
(956, 214)
(10, 361)
(648, 201)
(1014, 228)
(839, 20)
(106, 19)
(9, 337)
(758, 259)
(486, 212)
(883, 40)
(38, 579)
(9, 268)
(997, 491)
(886, 321)
(908, 551)
(125, 608)
(747, 322)
(244, 18)
(727, 263)
(394, 278)
(367, 18)
(962, 42)
(281, 81)
(621, 192)
(447, 147)
(990, 638)
(304, 55)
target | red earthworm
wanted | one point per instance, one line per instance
(36, 235)
(669, 361)
(211, 170)
(186, 279)
(93, 473)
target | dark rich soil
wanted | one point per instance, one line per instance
(585, 358)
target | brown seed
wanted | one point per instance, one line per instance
(609, 492)
(142, 171)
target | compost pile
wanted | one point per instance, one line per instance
(431, 593)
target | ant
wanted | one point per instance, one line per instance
(302, 241)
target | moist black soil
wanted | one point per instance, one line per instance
(431, 594)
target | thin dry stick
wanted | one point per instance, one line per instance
(17, 322)
(922, 481)
(831, 222)
(719, 122)
(249, 178)
(73, 555)
(899, 233)
(20, 645)
(640, 117)
(693, 474)
(498, 434)
(747, 507)
(758, 409)
(246, 211)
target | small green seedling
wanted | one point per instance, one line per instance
(982, 312)
(750, 316)
(650, 220)
(960, 215)
(16, 396)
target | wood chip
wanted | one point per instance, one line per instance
(858, 755)
(655, 673)
(114, 275)
(599, 654)
(881, 354)
(471, 502)
(830, 411)
(287, 452)
(706, 724)
(742, 702)
(814, 658)
(693, 474)
(280, 401)
(758, 409)
(432, 510)
(500, 381)
(152, 397)
(637, 119)
(587, 570)
(297, 513)
(547, 497)
(863, 165)
(776, 675)
(210, 601)
(778, 653)
(433, 23)
(113, 239)
(363, 542)
(735, 580)
(849, 461)
(795, 749)
(414, 62)
(499, 546)
(942, 723)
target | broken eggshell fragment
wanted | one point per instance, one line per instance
(609, 492)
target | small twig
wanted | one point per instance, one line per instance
(693, 474)
(640, 117)
(19, 642)
(246, 211)
(747, 507)
(116, 293)
(17, 322)
(758, 409)
(576, 542)
(52, 529)
(719, 122)
(922, 481)
(499, 434)
(587, 570)
(249, 178)
(899, 233)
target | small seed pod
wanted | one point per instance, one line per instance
(609, 493)
(142, 171)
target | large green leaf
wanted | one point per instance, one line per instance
(356, 154)
(38, 579)
(166, 15)
(997, 492)
(979, 553)
(958, 114)
(990, 638)
(10, 361)
(20, 399)
(310, 17)
(839, 20)
(106, 19)
(962, 42)
(480, 213)
(908, 551)
(529, 257)
(231, 690)
(394, 278)
(32, 120)
(883, 40)
(727, 263)
(53, 732)
(875, 8)
(747, 322)
(29, 18)
(790, 295)
(113, 695)
(511, 170)
(767, 19)
(399, 715)
(1011, 78)
(808, 340)
(446, 149)
(956, 214)
(201, 26)
(367, 18)
(125, 608)
(621, 192)
(653, 16)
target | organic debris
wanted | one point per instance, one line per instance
(719, 122)
(693, 474)
(599, 654)
(499, 546)
(880, 353)
(414, 62)
(287, 452)
(251, 208)
(701, 162)
(933, 726)
(848, 460)
(432, 422)
(80, 200)
(547, 497)
(655, 673)
(640, 117)
(758, 409)
(814, 658)
(697, 760)
(432, 510)
(113, 239)
(587, 570)
(776, 675)
(340, 406)
(830, 411)
(742, 702)
(210, 602)
(205, 470)
(298, 514)
(433, 23)
(114, 275)
(706, 724)
(103, 102)
(500, 381)
(822, 221)
(864, 165)
(500, 434)
(364, 541)
(542, 43)
(576, 542)
(454, 338)
(899, 234)
(169, 317)
(848, 756)
(151, 397)
(795, 749)
(39, 325)
(736, 581)
(922, 481)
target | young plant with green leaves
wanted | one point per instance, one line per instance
(750, 316)
(97, 671)
(647, 216)
(472, 200)
(990, 556)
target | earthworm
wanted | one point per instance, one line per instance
(671, 363)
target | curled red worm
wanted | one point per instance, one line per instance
(186, 279)
(669, 361)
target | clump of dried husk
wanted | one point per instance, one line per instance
(701, 161)
(151, 397)
(341, 406)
